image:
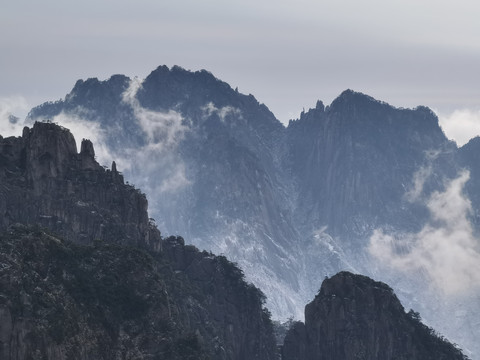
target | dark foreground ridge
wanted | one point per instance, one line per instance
(355, 317)
(84, 274)
(60, 300)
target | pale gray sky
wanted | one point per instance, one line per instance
(286, 53)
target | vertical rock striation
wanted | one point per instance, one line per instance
(45, 182)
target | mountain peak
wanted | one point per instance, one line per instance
(352, 93)
(163, 72)
(342, 283)
(188, 91)
(350, 98)
(354, 315)
(166, 88)
(113, 81)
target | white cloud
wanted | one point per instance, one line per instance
(421, 176)
(222, 112)
(155, 170)
(10, 107)
(176, 179)
(164, 130)
(163, 169)
(446, 249)
(419, 179)
(155, 167)
(461, 125)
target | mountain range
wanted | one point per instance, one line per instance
(86, 275)
(357, 185)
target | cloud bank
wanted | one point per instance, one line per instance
(461, 125)
(445, 250)
(222, 112)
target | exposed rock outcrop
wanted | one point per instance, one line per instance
(354, 317)
(44, 181)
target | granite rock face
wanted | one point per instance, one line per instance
(47, 183)
(355, 317)
(294, 344)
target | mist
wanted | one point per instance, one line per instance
(11, 108)
(445, 249)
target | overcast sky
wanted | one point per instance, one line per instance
(286, 53)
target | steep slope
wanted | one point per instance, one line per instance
(114, 289)
(210, 160)
(354, 317)
(469, 158)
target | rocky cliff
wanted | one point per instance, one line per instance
(46, 182)
(87, 275)
(354, 317)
